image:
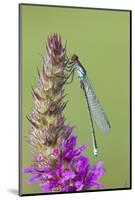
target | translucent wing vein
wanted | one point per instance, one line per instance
(97, 111)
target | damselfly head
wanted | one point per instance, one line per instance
(74, 58)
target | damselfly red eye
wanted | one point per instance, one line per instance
(74, 58)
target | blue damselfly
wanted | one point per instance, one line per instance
(96, 112)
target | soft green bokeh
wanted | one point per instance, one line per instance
(101, 38)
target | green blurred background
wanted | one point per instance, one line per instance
(101, 39)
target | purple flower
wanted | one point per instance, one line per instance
(37, 175)
(81, 164)
(86, 174)
(96, 172)
(69, 146)
(73, 171)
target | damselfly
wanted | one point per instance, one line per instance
(96, 112)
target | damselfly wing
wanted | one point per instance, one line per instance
(97, 110)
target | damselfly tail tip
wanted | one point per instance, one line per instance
(95, 152)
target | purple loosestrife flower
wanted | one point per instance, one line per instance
(58, 164)
(68, 147)
(73, 175)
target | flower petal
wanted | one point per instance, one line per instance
(81, 164)
(34, 179)
(80, 150)
(45, 187)
(29, 170)
(68, 174)
(98, 170)
(79, 185)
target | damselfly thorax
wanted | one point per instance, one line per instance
(96, 112)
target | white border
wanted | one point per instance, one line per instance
(9, 101)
